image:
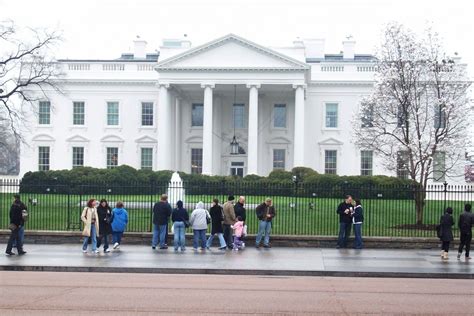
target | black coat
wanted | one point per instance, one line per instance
(217, 216)
(446, 221)
(262, 210)
(465, 223)
(343, 217)
(239, 210)
(103, 213)
(16, 213)
(179, 215)
(161, 213)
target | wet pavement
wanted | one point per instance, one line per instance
(250, 261)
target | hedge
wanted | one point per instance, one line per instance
(127, 180)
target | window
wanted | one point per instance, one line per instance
(402, 165)
(279, 116)
(367, 119)
(402, 117)
(43, 158)
(147, 113)
(147, 158)
(366, 162)
(78, 113)
(439, 117)
(112, 113)
(237, 168)
(331, 115)
(239, 115)
(197, 114)
(439, 166)
(279, 159)
(112, 157)
(330, 161)
(44, 113)
(77, 157)
(196, 160)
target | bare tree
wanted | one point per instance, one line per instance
(416, 119)
(26, 64)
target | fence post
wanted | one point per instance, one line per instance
(445, 184)
(295, 181)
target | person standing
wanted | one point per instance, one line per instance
(265, 214)
(465, 223)
(239, 209)
(238, 228)
(16, 224)
(90, 218)
(119, 224)
(229, 220)
(105, 218)
(217, 217)
(345, 221)
(446, 222)
(199, 220)
(161, 216)
(180, 219)
(357, 220)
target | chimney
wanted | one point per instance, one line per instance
(314, 48)
(348, 48)
(139, 50)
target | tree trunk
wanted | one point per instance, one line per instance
(420, 196)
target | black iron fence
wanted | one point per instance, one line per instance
(302, 209)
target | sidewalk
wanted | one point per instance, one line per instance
(251, 261)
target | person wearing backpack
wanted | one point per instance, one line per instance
(17, 221)
(180, 219)
(465, 223)
(446, 222)
(119, 224)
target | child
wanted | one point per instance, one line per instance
(238, 228)
(119, 223)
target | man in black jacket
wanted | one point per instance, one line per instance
(265, 214)
(17, 222)
(239, 209)
(465, 223)
(345, 221)
(161, 215)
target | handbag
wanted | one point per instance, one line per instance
(87, 231)
(12, 227)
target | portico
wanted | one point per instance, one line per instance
(236, 85)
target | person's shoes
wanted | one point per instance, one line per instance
(338, 247)
(459, 256)
(445, 256)
(163, 247)
(96, 251)
(116, 245)
(106, 250)
(223, 248)
(21, 253)
(153, 247)
(468, 258)
(176, 249)
(203, 249)
(9, 253)
(257, 246)
(183, 249)
(267, 246)
(195, 249)
(84, 250)
(442, 253)
(208, 248)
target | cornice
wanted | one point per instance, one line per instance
(108, 82)
(235, 69)
(342, 83)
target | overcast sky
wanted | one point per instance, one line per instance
(106, 28)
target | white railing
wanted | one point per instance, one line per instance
(145, 67)
(79, 67)
(366, 68)
(332, 68)
(113, 67)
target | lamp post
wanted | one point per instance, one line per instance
(234, 144)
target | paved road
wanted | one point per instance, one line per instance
(58, 293)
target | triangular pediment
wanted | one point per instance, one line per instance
(146, 139)
(331, 141)
(230, 52)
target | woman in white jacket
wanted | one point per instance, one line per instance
(199, 220)
(90, 218)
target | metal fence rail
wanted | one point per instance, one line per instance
(302, 209)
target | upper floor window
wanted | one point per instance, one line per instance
(439, 166)
(44, 113)
(239, 115)
(402, 165)
(196, 160)
(147, 158)
(112, 157)
(279, 159)
(113, 113)
(367, 117)
(147, 113)
(43, 158)
(366, 162)
(78, 113)
(279, 116)
(197, 115)
(331, 115)
(330, 161)
(77, 157)
(439, 117)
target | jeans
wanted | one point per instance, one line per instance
(179, 235)
(93, 238)
(159, 235)
(228, 235)
(221, 240)
(465, 241)
(14, 237)
(237, 242)
(21, 237)
(199, 234)
(105, 237)
(344, 233)
(445, 246)
(264, 227)
(358, 244)
(117, 237)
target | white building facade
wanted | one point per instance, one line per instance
(181, 109)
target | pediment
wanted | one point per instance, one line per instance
(112, 139)
(331, 142)
(193, 140)
(279, 140)
(43, 138)
(77, 139)
(230, 52)
(146, 139)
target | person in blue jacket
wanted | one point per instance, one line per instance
(119, 224)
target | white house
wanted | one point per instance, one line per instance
(181, 108)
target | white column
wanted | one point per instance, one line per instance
(164, 129)
(298, 142)
(252, 151)
(207, 136)
(177, 155)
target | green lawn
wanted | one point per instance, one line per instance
(295, 216)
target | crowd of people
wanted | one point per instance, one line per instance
(228, 223)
